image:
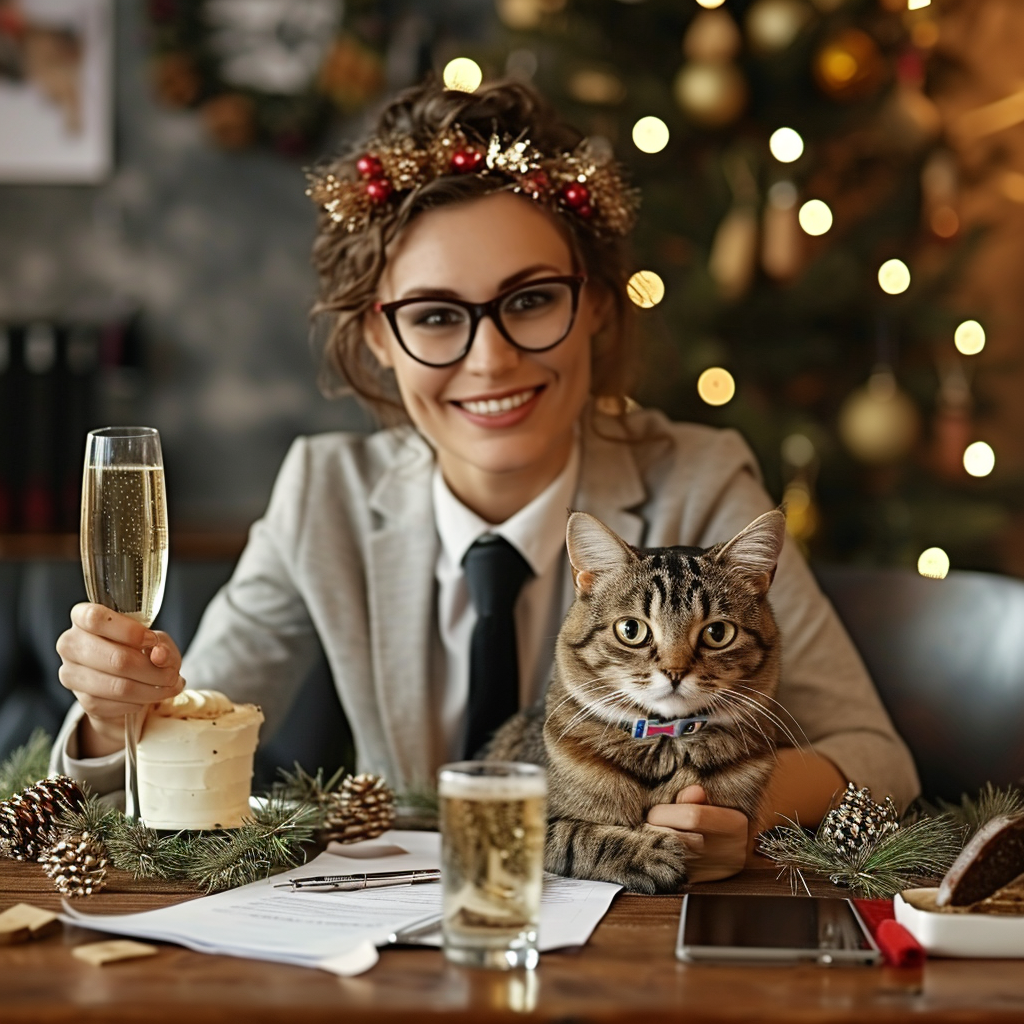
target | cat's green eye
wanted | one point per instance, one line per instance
(718, 634)
(632, 632)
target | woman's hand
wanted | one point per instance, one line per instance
(716, 836)
(115, 666)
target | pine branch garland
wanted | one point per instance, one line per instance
(913, 855)
(26, 765)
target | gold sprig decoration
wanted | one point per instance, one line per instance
(582, 183)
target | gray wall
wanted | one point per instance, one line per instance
(213, 248)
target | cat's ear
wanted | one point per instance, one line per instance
(755, 549)
(593, 549)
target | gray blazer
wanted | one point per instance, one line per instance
(346, 553)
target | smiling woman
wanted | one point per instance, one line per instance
(469, 259)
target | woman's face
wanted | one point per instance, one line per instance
(495, 461)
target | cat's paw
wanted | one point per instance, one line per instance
(658, 862)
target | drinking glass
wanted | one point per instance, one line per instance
(493, 818)
(124, 542)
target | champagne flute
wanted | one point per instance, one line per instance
(124, 542)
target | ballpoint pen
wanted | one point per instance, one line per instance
(360, 880)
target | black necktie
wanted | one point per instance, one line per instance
(495, 573)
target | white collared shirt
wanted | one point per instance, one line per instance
(537, 532)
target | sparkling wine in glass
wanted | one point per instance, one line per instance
(124, 542)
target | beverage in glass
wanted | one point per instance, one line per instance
(124, 540)
(493, 818)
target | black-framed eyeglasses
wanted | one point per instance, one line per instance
(534, 317)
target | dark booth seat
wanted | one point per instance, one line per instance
(35, 599)
(947, 657)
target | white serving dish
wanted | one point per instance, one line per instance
(997, 936)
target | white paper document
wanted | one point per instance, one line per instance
(340, 931)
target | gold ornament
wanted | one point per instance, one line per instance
(733, 257)
(849, 66)
(773, 25)
(712, 36)
(878, 423)
(780, 238)
(711, 93)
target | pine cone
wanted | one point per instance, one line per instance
(28, 819)
(858, 820)
(362, 808)
(77, 863)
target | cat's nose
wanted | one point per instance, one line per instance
(675, 676)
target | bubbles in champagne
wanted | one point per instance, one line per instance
(124, 538)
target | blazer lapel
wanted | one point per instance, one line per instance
(610, 485)
(401, 559)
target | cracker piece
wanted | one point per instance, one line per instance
(99, 953)
(23, 922)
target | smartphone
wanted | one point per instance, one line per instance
(772, 929)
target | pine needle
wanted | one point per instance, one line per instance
(93, 816)
(991, 802)
(26, 765)
(914, 855)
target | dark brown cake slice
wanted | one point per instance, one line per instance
(993, 858)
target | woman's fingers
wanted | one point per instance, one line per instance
(120, 695)
(703, 818)
(101, 621)
(715, 836)
(78, 647)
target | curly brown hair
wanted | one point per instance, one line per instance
(350, 265)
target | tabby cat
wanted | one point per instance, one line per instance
(665, 670)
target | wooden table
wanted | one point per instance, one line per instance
(627, 972)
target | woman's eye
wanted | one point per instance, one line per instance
(632, 632)
(441, 316)
(718, 634)
(528, 302)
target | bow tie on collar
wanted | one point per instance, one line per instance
(643, 728)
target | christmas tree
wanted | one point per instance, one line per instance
(800, 209)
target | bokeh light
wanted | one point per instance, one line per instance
(894, 277)
(815, 217)
(916, 5)
(645, 288)
(979, 459)
(716, 386)
(711, 4)
(969, 338)
(650, 134)
(933, 563)
(786, 145)
(462, 75)
(798, 450)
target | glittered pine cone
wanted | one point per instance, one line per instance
(858, 821)
(28, 819)
(362, 808)
(77, 863)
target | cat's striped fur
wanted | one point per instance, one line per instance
(602, 781)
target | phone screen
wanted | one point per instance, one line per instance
(772, 928)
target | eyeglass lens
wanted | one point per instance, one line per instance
(534, 317)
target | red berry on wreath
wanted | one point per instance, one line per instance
(585, 211)
(466, 161)
(369, 166)
(378, 190)
(536, 184)
(576, 196)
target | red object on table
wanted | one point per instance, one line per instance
(898, 946)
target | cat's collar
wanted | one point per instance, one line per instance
(642, 728)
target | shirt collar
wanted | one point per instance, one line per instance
(537, 530)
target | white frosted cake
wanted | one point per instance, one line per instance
(195, 761)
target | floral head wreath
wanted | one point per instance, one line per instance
(576, 183)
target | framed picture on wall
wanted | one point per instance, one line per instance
(55, 90)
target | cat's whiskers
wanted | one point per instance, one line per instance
(609, 700)
(729, 698)
(767, 712)
(715, 702)
(749, 689)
